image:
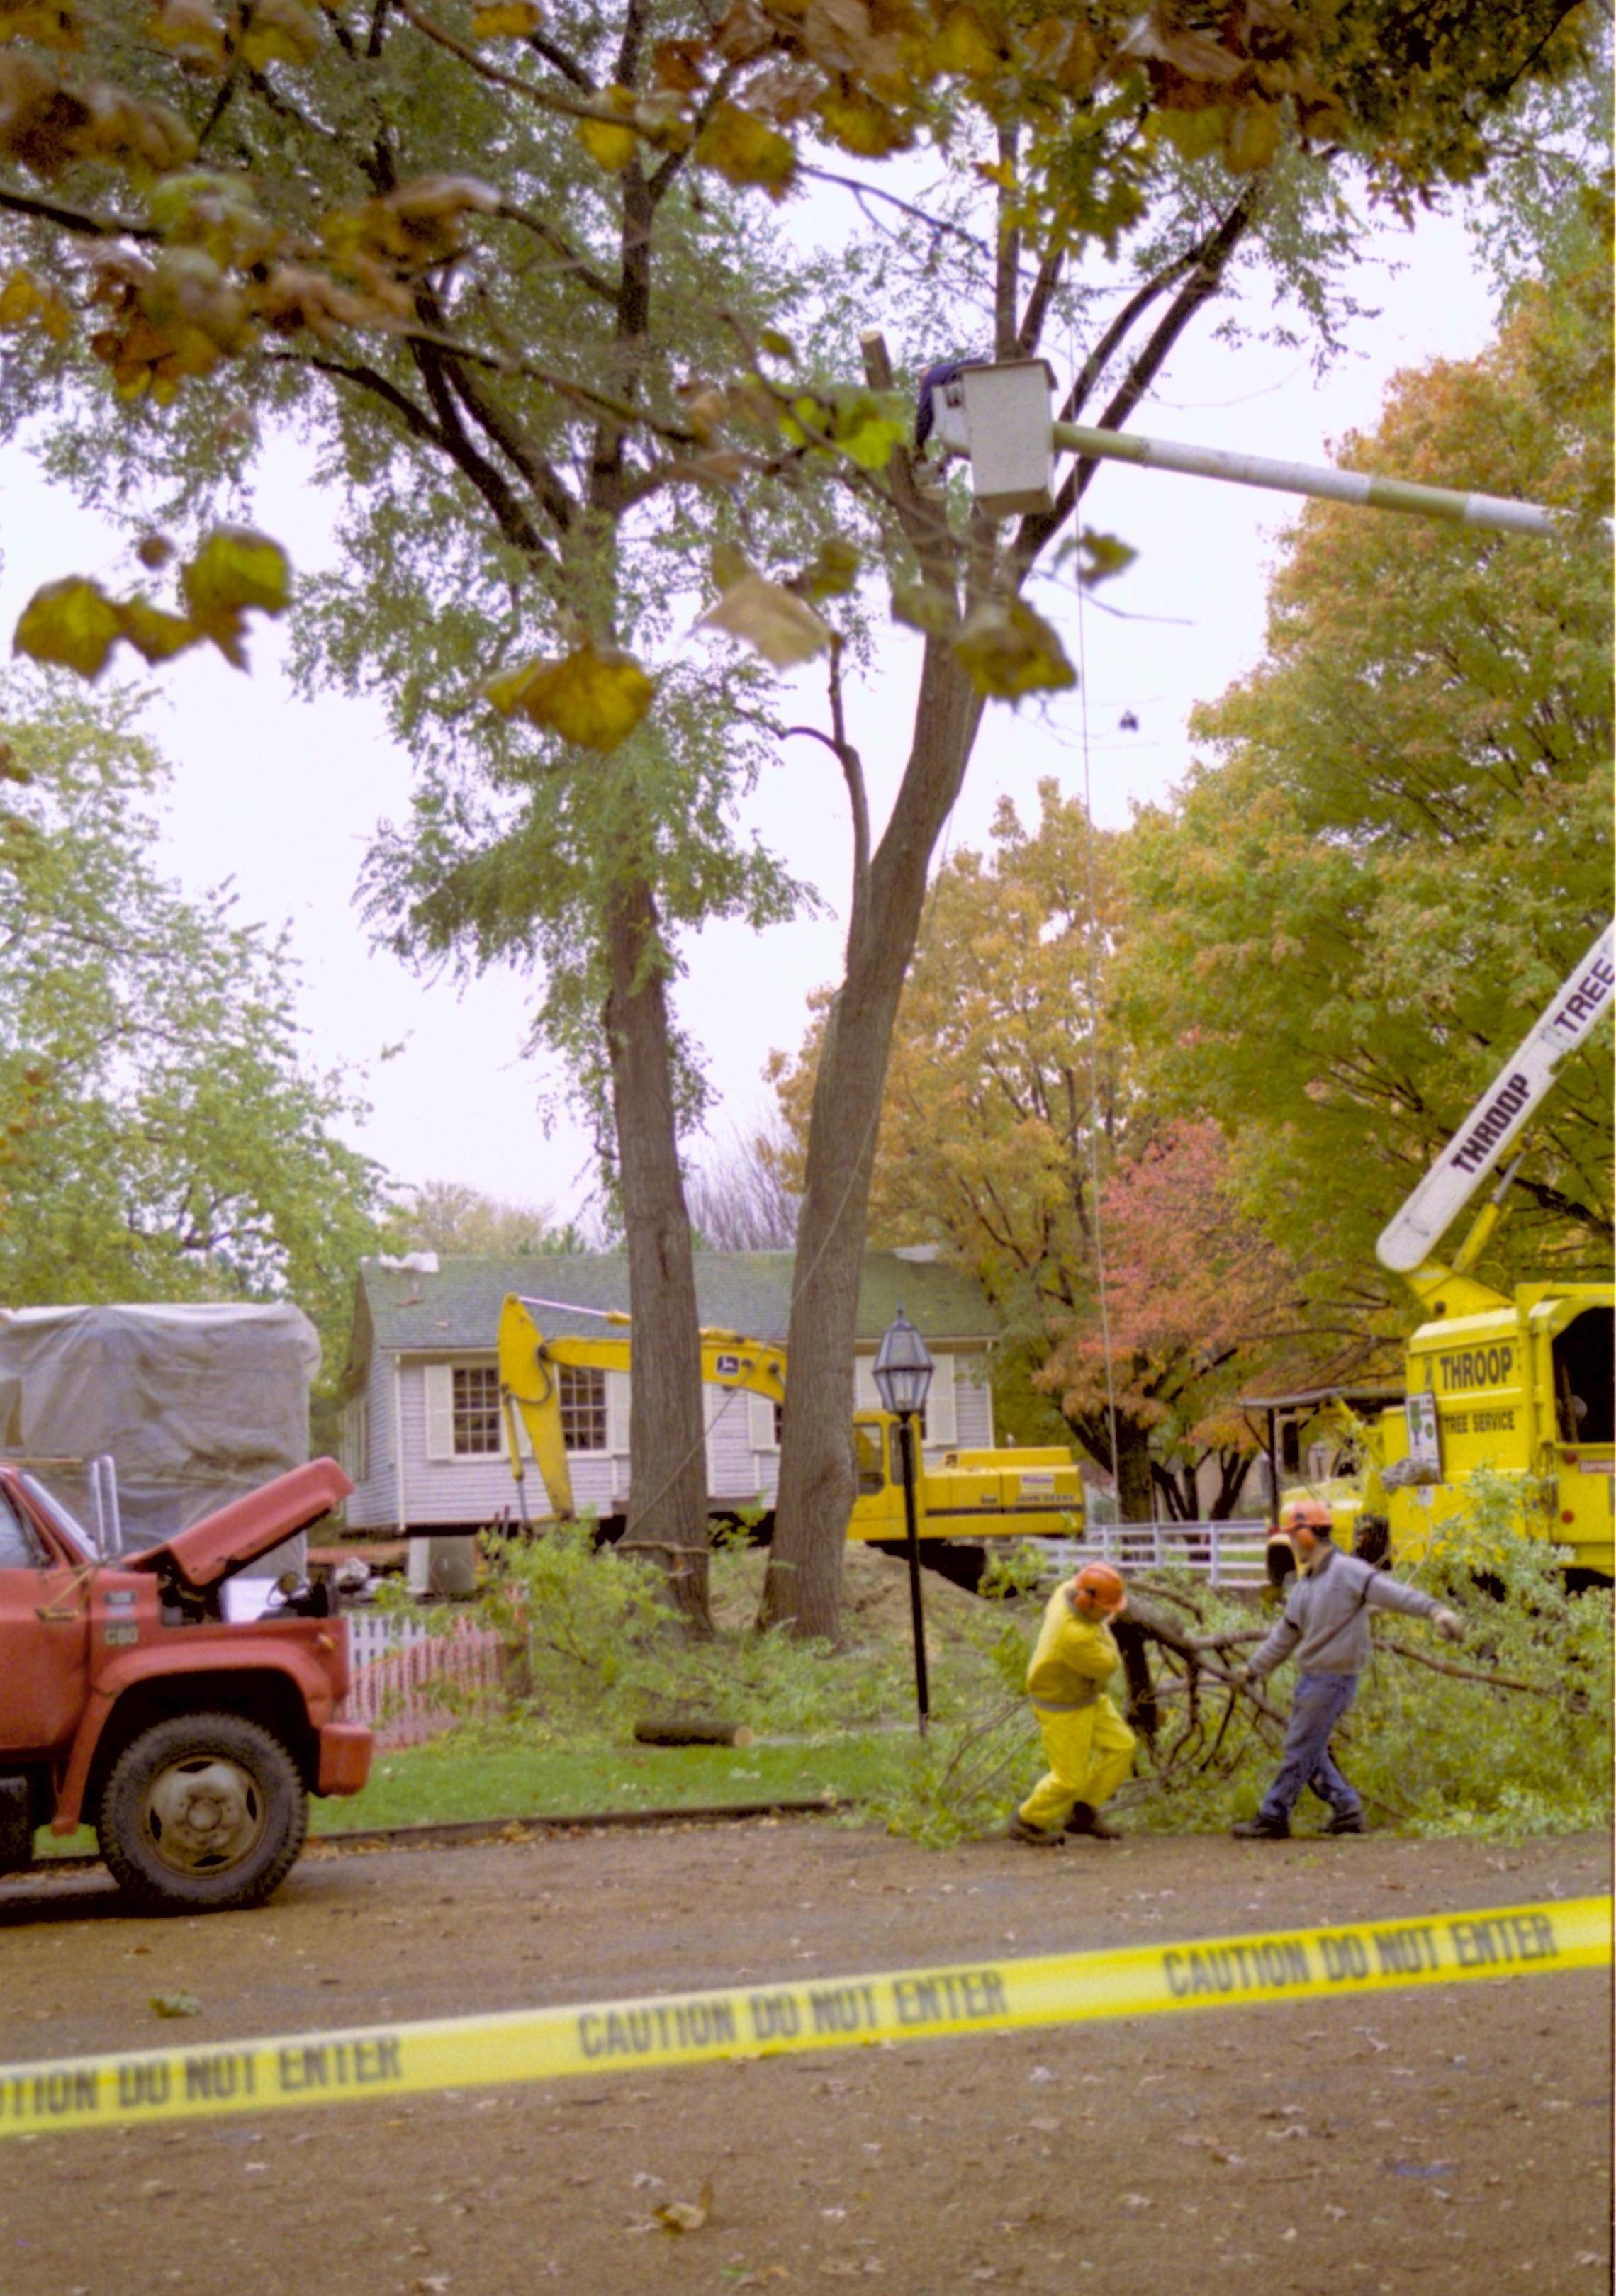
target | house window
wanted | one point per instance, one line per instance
(476, 1412)
(779, 1422)
(583, 1401)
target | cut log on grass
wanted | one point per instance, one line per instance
(690, 1730)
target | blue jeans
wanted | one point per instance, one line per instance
(1318, 1705)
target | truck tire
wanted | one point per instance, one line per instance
(203, 1813)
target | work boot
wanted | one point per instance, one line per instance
(1037, 1837)
(1261, 1829)
(1348, 1820)
(1086, 1819)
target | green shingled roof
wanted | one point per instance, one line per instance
(745, 1292)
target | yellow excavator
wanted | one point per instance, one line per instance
(1521, 1383)
(969, 1494)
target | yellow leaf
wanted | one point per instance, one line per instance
(280, 31)
(961, 45)
(867, 436)
(869, 130)
(777, 624)
(610, 146)
(746, 150)
(593, 700)
(512, 20)
(685, 2216)
(47, 23)
(1008, 651)
(234, 568)
(835, 569)
(1192, 135)
(1254, 137)
(189, 29)
(730, 564)
(154, 634)
(506, 690)
(24, 298)
(70, 622)
(925, 606)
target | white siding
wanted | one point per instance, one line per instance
(732, 1469)
(449, 1490)
(972, 1402)
(375, 1503)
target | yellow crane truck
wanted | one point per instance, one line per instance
(1520, 1382)
(969, 1494)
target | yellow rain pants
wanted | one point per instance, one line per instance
(1089, 1752)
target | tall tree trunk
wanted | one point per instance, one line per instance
(1136, 1477)
(816, 1490)
(803, 1583)
(667, 1433)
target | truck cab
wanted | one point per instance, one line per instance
(1527, 1389)
(133, 1699)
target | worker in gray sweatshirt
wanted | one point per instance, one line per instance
(1327, 1624)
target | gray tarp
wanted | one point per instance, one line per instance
(194, 1404)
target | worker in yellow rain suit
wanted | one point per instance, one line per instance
(1089, 1747)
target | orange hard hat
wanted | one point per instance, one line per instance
(1103, 1587)
(1308, 1514)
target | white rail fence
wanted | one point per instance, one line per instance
(1225, 1554)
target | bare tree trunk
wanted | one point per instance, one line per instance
(666, 1434)
(1136, 1474)
(816, 1491)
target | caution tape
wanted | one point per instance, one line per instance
(686, 2029)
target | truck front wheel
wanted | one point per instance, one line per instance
(203, 1813)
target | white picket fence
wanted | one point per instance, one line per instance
(409, 1685)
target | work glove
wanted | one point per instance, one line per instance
(1449, 1625)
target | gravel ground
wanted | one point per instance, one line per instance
(1451, 2139)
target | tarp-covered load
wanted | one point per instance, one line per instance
(194, 1404)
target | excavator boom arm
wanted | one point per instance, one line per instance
(530, 1383)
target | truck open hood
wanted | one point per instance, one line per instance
(239, 1533)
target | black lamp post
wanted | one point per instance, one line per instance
(903, 1373)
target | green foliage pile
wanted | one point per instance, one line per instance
(593, 1648)
(1433, 1754)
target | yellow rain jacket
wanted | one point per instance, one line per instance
(1088, 1744)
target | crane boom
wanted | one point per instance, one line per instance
(1499, 1116)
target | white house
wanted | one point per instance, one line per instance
(423, 1438)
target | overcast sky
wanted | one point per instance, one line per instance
(283, 796)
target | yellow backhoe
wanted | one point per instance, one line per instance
(968, 1494)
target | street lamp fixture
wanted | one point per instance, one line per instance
(903, 1375)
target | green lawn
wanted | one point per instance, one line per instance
(480, 1772)
(472, 1775)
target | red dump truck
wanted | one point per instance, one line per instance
(139, 1694)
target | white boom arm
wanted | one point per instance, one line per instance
(1497, 1119)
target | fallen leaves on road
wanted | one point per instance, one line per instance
(685, 2216)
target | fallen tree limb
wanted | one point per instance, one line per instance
(1470, 1673)
(690, 1730)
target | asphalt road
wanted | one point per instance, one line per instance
(1452, 2139)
